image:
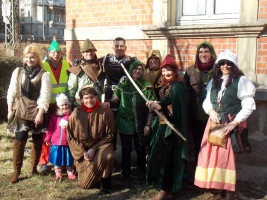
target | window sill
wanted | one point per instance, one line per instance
(204, 31)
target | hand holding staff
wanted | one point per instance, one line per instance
(144, 97)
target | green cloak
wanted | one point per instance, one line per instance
(168, 150)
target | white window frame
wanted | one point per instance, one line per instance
(209, 18)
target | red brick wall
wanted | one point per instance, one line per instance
(262, 56)
(184, 50)
(95, 13)
(262, 9)
(138, 48)
(262, 42)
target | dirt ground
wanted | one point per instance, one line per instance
(46, 187)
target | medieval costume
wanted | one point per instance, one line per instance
(153, 75)
(113, 74)
(39, 90)
(168, 150)
(85, 73)
(114, 71)
(132, 116)
(34, 84)
(196, 79)
(91, 129)
(216, 165)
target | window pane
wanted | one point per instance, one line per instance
(194, 7)
(227, 6)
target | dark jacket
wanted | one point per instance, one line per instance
(196, 82)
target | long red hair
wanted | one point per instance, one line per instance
(176, 76)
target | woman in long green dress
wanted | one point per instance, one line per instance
(168, 150)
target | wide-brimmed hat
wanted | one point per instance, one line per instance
(228, 55)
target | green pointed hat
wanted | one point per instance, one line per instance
(88, 45)
(54, 46)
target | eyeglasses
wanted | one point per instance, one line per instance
(137, 69)
(227, 62)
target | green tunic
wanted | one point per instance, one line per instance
(126, 92)
(168, 150)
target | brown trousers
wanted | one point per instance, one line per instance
(90, 172)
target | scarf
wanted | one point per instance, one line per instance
(91, 68)
(205, 67)
(50, 62)
(84, 108)
(30, 73)
(61, 112)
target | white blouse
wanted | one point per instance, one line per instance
(245, 92)
(45, 92)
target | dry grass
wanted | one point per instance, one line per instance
(45, 187)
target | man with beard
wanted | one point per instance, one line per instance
(57, 67)
(85, 72)
(114, 71)
(196, 79)
(112, 65)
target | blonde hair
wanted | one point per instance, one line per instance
(33, 48)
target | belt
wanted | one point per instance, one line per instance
(112, 87)
(161, 121)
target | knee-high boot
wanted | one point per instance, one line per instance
(18, 154)
(35, 155)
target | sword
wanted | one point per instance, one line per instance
(144, 97)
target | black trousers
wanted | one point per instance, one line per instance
(23, 136)
(198, 128)
(126, 144)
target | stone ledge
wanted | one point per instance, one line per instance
(204, 31)
(261, 95)
(105, 33)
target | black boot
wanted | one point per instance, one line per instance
(105, 186)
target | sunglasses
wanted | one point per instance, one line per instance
(227, 62)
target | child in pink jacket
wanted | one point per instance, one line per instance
(60, 154)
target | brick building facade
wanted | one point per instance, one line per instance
(168, 25)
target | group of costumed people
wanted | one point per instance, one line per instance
(105, 104)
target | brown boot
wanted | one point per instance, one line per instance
(35, 155)
(18, 154)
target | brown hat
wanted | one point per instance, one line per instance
(151, 53)
(88, 45)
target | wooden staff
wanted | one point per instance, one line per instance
(144, 97)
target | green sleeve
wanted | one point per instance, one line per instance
(72, 87)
